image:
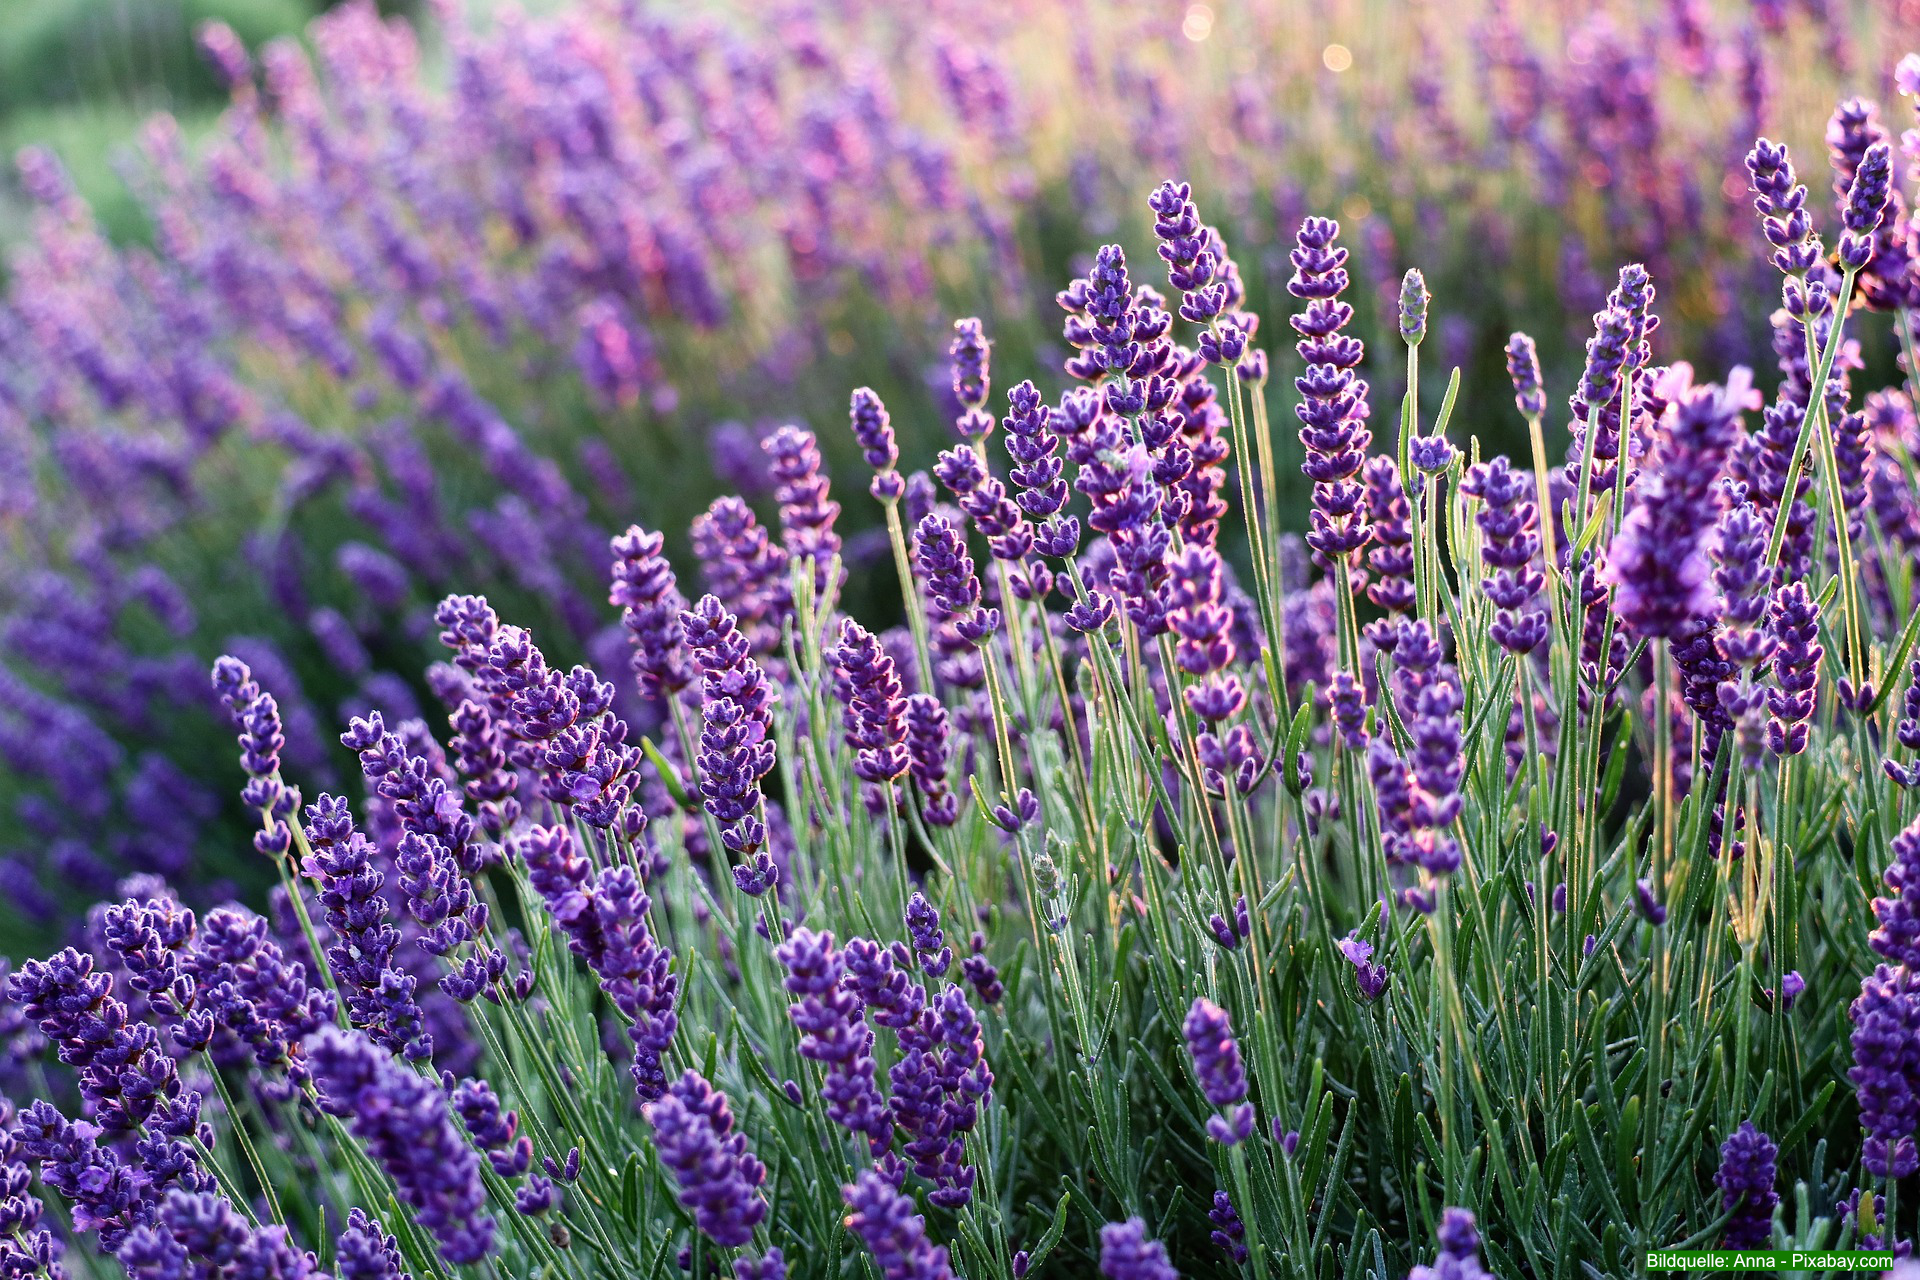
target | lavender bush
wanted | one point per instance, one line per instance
(1097, 853)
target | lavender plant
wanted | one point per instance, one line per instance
(1470, 886)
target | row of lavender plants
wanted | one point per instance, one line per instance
(1508, 877)
(418, 321)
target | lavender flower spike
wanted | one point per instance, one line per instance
(719, 1178)
(1333, 406)
(402, 1120)
(874, 432)
(1126, 1253)
(1657, 562)
(1745, 1179)
(650, 605)
(952, 586)
(736, 738)
(1216, 1061)
(892, 1232)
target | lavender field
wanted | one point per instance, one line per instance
(1033, 638)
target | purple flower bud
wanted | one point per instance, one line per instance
(1413, 307)
(883, 1217)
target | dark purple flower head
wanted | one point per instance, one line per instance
(929, 941)
(650, 602)
(1200, 618)
(1897, 939)
(1126, 1253)
(1886, 1071)
(1785, 221)
(1523, 368)
(806, 512)
(1657, 561)
(744, 569)
(1186, 247)
(928, 756)
(736, 737)
(1509, 522)
(834, 1033)
(869, 688)
(603, 915)
(873, 430)
(719, 1178)
(1229, 1233)
(951, 585)
(1795, 627)
(495, 1130)
(1459, 1257)
(883, 1217)
(1333, 408)
(1216, 1062)
(1866, 205)
(364, 1251)
(402, 1122)
(970, 379)
(1745, 1179)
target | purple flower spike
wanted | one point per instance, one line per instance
(1745, 1179)
(951, 585)
(1201, 619)
(650, 603)
(379, 994)
(1523, 368)
(1038, 474)
(1186, 246)
(869, 688)
(873, 429)
(883, 1217)
(1216, 1061)
(719, 1178)
(1229, 1233)
(1510, 521)
(929, 941)
(834, 1033)
(403, 1122)
(1657, 562)
(1126, 1253)
(1885, 1075)
(736, 738)
(603, 915)
(970, 353)
(806, 512)
(494, 1130)
(928, 755)
(1333, 408)
(365, 1251)
(1866, 205)
(1795, 627)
